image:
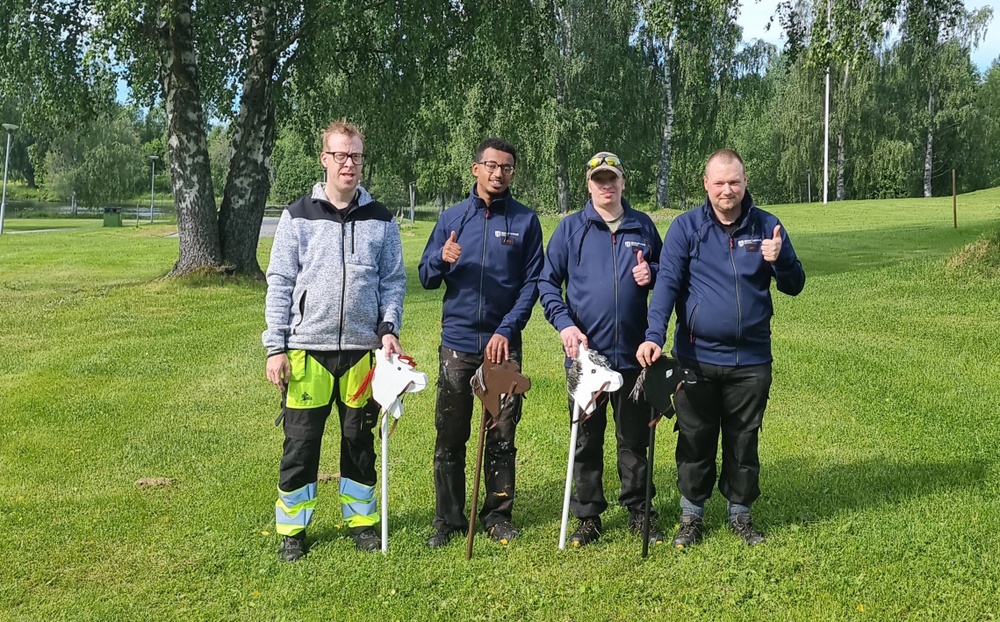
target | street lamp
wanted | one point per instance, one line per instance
(10, 127)
(152, 186)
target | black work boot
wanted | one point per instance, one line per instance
(742, 525)
(635, 521)
(689, 532)
(589, 530)
(503, 532)
(293, 548)
(366, 539)
(442, 536)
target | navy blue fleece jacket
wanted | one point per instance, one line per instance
(602, 298)
(494, 284)
(720, 286)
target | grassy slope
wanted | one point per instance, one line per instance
(879, 450)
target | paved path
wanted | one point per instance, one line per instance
(267, 229)
(9, 232)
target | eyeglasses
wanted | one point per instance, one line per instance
(341, 156)
(609, 160)
(492, 166)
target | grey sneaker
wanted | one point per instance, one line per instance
(589, 530)
(742, 525)
(689, 532)
(293, 548)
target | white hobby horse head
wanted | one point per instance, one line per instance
(588, 377)
(392, 379)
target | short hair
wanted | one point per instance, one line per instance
(345, 127)
(726, 156)
(496, 143)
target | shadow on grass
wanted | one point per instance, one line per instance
(827, 253)
(803, 491)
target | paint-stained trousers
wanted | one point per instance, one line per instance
(730, 400)
(453, 420)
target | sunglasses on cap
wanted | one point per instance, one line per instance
(609, 160)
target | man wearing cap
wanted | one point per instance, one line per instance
(487, 251)
(716, 270)
(606, 256)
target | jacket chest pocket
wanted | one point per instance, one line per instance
(362, 245)
(633, 243)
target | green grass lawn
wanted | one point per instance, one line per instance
(880, 449)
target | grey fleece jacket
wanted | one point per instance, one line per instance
(335, 280)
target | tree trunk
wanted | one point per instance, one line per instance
(841, 190)
(562, 184)
(565, 53)
(666, 133)
(191, 176)
(929, 155)
(248, 181)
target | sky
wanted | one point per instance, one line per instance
(755, 14)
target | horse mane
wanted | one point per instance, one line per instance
(575, 370)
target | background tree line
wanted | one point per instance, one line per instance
(232, 97)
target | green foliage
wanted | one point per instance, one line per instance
(100, 164)
(892, 175)
(295, 165)
(118, 375)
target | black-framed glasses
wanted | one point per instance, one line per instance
(341, 156)
(609, 160)
(492, 166)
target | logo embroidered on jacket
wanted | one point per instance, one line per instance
(506, 234)
(634, 243)
(305, 397)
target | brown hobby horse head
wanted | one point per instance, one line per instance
(495, 385)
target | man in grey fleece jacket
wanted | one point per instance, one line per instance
(335, 287)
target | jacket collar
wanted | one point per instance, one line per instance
(499, 204)
(746, 207)
(629, 219)
(361, 198)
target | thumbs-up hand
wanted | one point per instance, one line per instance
(641, 270)
(452, 250)
(770, 249)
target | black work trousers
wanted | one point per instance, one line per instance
(730, 400)
(304, 432)
(453, 421)
(632, 435)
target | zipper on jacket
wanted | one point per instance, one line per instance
(343, 282)
(302, 310)
(482, 276)
(694, 320)
(614, 266)
(739, 306)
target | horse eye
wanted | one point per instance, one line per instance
(593, 371)
(399, 369)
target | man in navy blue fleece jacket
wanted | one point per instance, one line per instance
(487, 250)
(606, 255)
(716, 269)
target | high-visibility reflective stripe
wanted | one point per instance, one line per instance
(356, 490)
(293, 510)
(357, 502)
(310, 385)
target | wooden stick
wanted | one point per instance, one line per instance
(475, 485)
